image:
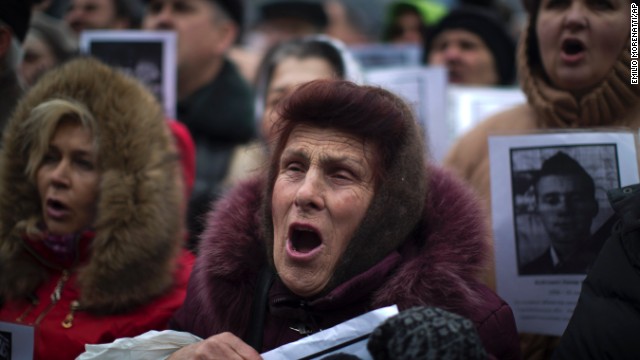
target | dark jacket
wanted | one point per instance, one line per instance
(220, 117)
(436, 266)
(606, 320)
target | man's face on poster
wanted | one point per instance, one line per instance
(566, 206)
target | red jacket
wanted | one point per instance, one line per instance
(130, 274)
(69, 337)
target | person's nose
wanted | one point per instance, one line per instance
(59, 177)
(309, 196)
(575, 17)
(564, 205)
(451, 54)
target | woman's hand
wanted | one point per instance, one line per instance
(221, 346)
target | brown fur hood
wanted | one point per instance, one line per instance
(138, 226)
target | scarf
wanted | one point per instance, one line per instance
(609, 103)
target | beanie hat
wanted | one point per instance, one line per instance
(234, 8)
(16, 14)
(312, 12)
(489, 28)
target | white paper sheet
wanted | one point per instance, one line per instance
(16, 341)
(349, 337)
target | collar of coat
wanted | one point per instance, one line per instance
(439, 266)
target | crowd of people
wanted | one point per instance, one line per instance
(288, 196)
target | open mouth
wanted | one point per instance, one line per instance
(56, 205)
(304, 240)
(572, 46)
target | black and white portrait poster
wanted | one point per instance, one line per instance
(551, 216)
(148, 56)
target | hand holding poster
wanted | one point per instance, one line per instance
(551, 216)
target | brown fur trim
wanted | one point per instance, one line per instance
(138, 226)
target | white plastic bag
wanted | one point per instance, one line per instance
(152, 345)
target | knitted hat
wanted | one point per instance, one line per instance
(16, 14)
(489, 28)
(235, 9)
(312, 12)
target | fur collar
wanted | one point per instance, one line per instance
(439, 266)
(137, 232)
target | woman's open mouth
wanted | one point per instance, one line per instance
(573, 50)
(304, 242)
(55, 209)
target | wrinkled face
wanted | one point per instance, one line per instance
(68, 180)
(580, 40)
(468, 60)
(198, 26)
(38, 58)
(566, 208)
(408, 24)
(93, 14)
(323, 189)
(290, 73)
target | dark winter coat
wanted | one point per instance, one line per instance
(437, 266)
(606, 320)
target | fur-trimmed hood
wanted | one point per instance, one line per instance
(439, 266)
(138, 225)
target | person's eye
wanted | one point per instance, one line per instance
(182, 7)
(154, 7)
(85, 164)
(601, 4)
(551, 200)
(467, 45)
(343, 175)
(553, 4)
(50, 158)
(294, 167)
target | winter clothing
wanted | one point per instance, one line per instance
(128, 274)
(604, 323)
(10, 92)
(430, 12)
(219, 117)
(490, 29)
(426, 333)
(311, 12)
(614, 102)
(435, 265)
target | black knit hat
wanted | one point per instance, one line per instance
(235, 9)
(16, 14)
(492, 32)
(312, 12)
